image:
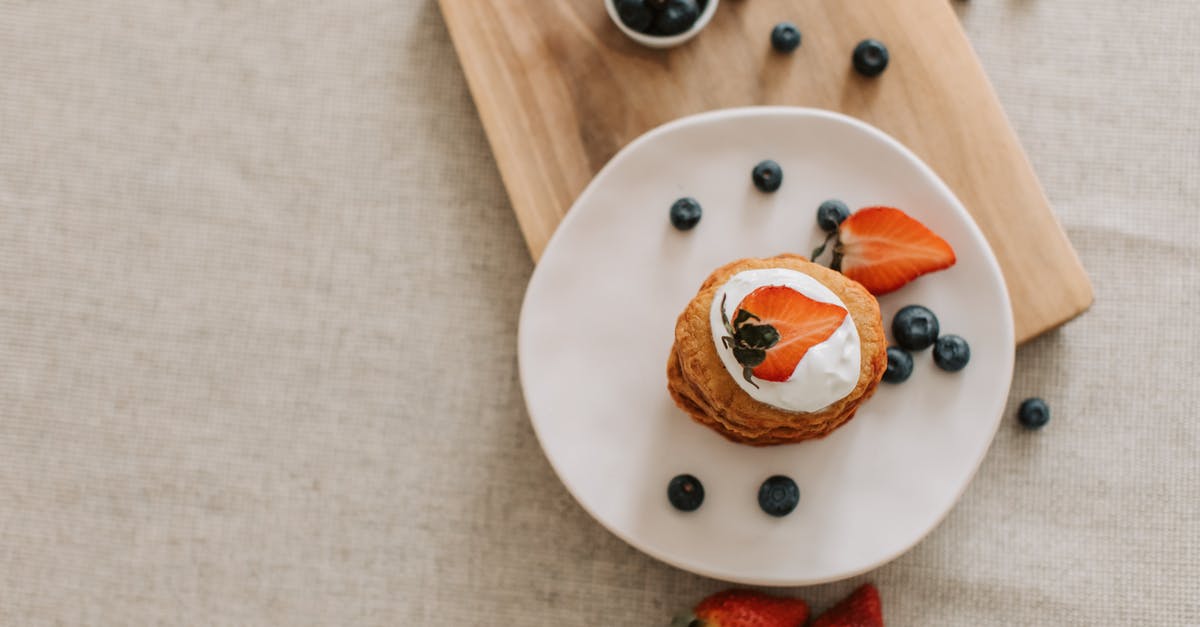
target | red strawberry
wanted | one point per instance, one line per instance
(861, 609)
(800, 321)
(884, 248)
(747, 608)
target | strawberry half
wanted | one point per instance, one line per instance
(861, 609)
(884, 248)
(800, 321)
(747, 608)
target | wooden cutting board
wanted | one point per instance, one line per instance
(560, 90)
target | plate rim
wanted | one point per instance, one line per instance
(991, 264)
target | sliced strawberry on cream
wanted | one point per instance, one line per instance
(786, 339)
(799, 321)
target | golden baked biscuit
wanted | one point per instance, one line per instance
(701, 385)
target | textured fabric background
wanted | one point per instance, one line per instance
(259, 286)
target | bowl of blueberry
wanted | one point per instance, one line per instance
(661, 23)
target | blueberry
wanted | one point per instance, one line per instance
(915, 328)
(676, 17)
(1034, 413)
(767, 176)
(900, 365)
(635, 14)
(778, 495)
(685, 213)
(831, 213)
(785, 37)
(870, 57)
(686, 493)
(951, 353)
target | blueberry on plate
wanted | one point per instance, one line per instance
(778, 495)
(785, 37)
(635, 14)
(831, 213)
(870, 57)
(1034, 413)
(915, 327)
(899, 366)
(685, 213)
(686, 493)
(767, 176)
(676, 17)
(951, 353)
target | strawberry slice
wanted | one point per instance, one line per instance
(884, 248)
(800, 321)
(861, 609)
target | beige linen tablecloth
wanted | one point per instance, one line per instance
(259, 287)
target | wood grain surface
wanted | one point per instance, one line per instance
(560, 90)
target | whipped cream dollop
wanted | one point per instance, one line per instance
(827, 372)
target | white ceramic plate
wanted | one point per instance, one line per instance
(598, 322)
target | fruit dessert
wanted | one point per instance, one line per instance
(776, 350)
(782, 349)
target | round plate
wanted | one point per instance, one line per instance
(599, 318)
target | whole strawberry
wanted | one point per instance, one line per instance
(861, 609)
(746, 608)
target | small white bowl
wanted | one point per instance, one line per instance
(660, 41)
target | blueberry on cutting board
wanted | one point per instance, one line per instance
(870, 57)
(785, 37)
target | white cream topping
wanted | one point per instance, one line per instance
(827, 373)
